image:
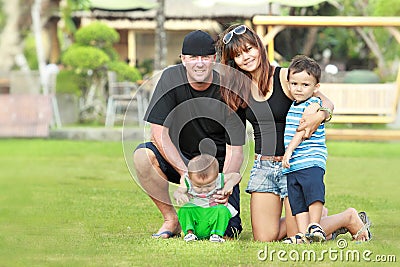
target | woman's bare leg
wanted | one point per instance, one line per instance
(291, 225)
(266, 210)
(348, 219)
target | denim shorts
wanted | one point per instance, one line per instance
(172, 175)
(266, 177)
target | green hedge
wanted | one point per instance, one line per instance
(70, 82)
(97, 34)
(85, 57)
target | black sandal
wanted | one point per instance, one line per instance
(296, 239)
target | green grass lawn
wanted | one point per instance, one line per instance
(70, 203)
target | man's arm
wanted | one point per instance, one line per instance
(310, 121)
(232, 164)
(233, 159)
(230, 180)
(160, 136)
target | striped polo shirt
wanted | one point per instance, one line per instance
(310, 152)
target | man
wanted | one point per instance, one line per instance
(188, 117)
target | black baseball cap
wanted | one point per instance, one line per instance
(198, 43)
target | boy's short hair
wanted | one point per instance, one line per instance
(303, 63)
(202, 165)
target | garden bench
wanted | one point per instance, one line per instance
(362, 103)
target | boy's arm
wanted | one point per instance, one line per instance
(295, 142)
(298, 137)
(180, 195)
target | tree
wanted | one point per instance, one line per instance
(16, 25)
(379, 43)
(91, 56)
(160, 38)
(306, 38)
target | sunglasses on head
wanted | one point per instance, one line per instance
(238, 31)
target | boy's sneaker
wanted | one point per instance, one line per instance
(315, 233)
(190, 237)
(216, 238)
(296, 239)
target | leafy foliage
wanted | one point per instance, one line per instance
(3, 16)
(124, 71)
(30, 52)
(70, 82)
(97, 34)
(390, 47)
(85, 57)
(66, 13)
(91, 56)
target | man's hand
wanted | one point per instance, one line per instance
(221, 197)
(231, 179)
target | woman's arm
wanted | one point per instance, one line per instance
(310, 122)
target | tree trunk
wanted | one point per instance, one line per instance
(311, 39)
(10, 41)
(37, 31)
(50, 19)
(160, 38)
(54, 43)
(369, 39)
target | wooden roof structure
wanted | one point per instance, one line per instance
(275, 24)
(267, 27)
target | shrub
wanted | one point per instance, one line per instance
(30, 52)
(97, 34)
(85, 58)
(124, 71)
(70, 82)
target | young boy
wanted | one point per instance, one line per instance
(304, 161)
(201, 217)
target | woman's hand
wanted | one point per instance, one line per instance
(310, 122)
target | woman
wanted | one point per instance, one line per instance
(267, 100)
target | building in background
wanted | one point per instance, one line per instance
(135, 22)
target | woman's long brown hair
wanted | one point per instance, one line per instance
(238, 95)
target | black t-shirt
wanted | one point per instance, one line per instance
(268, 119)
(198, 121)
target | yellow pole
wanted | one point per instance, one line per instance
(132, 48)
(271, 49)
